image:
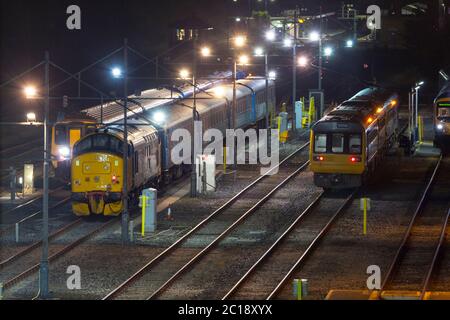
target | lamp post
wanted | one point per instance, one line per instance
(43, 269)
(194, 118)
(125, 218)
(415, 99)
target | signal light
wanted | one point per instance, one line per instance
(319, 158)
(114, 179)
(355, 159)
(394, 102)
(370, 120)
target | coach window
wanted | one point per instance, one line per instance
(337, 143)
(320, 143)
(354, 143)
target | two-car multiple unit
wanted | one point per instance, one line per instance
(347, 144)
(97, 164)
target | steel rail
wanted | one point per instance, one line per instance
(29, 202)
(311, 246)
(273, 247)
(220, 237)
(410, 226)
(222, 208)
(9, 283)
(435, 257)
(35, 245)
(12, 226)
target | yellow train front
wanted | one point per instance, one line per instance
(97, 175)
(348, 143)
(442, 117)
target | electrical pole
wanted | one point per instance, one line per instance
(43, 270)
(266, 64)
(125, 217)
(194, 117)
(294, 70)
(233, 111)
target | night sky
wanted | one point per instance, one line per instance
(28, 28)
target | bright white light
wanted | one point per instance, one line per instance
(64, 152)
(328, 51)
(272, 75)
(184, 74)
(116, 72)
(243, 59)
(314, 36)
(219, 92)
(239, 41)
(421, 83)
(159, 117)
(270, 35)
(31, 117)
(30, 92)
(349, 44)
(238, 19)
(206, 51)
(440, 127)
(259, 51)
(20, 180)
(302, 61)
(287, 42)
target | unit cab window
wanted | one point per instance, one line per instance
(354, 143)
(443, 111)
(60, 135)
(320, 143)
(337, 142)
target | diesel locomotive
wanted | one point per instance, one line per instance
(97, 164)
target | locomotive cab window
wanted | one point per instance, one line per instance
(99, 142)
(320, 143)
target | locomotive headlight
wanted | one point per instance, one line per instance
(64, 152)
(159, 117)
(440, 127)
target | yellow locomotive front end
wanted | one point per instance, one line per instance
(97, 176)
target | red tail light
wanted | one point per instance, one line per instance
(319, 158)
(355, 159)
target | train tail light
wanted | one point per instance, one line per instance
(354, 159)
(319, 158)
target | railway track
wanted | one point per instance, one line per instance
(22, 265)
(29, 202)
(28, 214)
(272, 271)
(419, 252)
(175, 260)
